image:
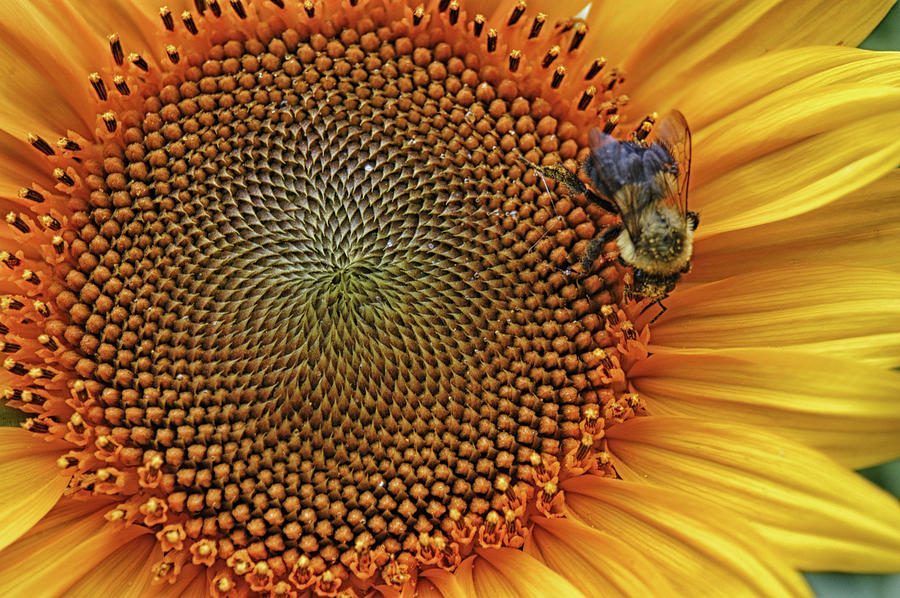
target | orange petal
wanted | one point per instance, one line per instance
(696, 37)
(61, 549)
(437, 583)
(597, 563)
(510, 573)
(124, 573)
(47, 52)
(820, 309)
(847, 410)
(30, 481)
(700, 548)
(862, 228)
(820, 515)
(190, 583)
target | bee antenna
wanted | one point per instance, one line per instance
(550, 195)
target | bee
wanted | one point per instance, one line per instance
(646, 184)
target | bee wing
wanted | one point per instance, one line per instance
(617, 173)
(675, 136)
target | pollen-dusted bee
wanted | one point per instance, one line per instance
(646, 184)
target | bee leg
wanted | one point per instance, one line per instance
(560, 173)
(595, 247)
(664, 308)
(606, 205)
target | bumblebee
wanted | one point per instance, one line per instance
(646, 184)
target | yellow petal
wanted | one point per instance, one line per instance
(40, 562)
(847, 410)
(812, 308)
(806, 174)
(696, 37)
(819, 515)
(510, 573)
(30, 481)
(780, 76)
(859, 229)
(700, 548)
(597, 563)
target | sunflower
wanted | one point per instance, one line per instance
(290, 309)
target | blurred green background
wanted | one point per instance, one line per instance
(840, 585)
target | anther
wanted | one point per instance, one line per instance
(189, 24)
(551, 55)
(215, 8)
(11, 261)
(442, 5)
(41, 308)
(8, 303)
(58, 244)
(518, 11)
(115, 46)
(121, 85)
(166, 15)
(65, 143)
(172, 53)
(138, 61)
(491, 40)
(454, 12)
(63, 177)
(586, 97)
(584, 447)
(32, 425)
(239, 9)
(310, 8)
(558, 77)
(109, 119)
(98, 85)
(14, 367)
(578, 37)
(31, 277)
(278, 3)
(4, 329)
(200, 5)
(515, 57)
(31, 397)
(646, 125)
(418, 15)
(50, 222)
(48, 341)
(478, 24)
(15, 220)
(354, 2)
(537, 25)
(31, 194)
(611, 123)
(40, 145)
(613, 79)
(9, 347)
(596, 67)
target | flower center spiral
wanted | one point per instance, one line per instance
(305, 308)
